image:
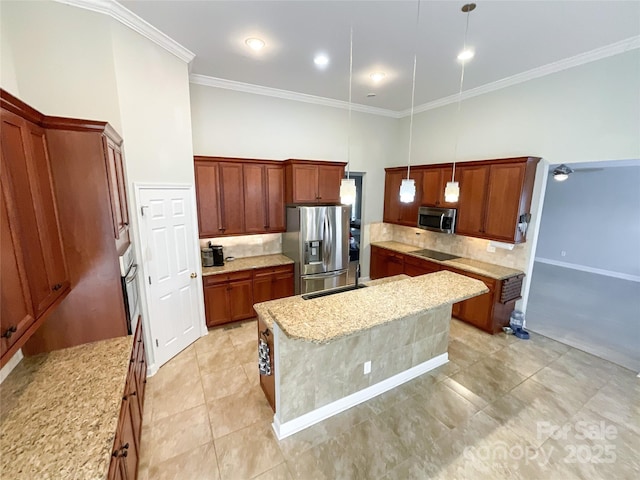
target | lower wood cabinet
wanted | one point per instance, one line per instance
(126, 445)
(230, 297)
(489, 312)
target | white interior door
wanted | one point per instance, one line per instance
(169, 243)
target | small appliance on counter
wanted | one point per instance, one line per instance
(207, 256)
(218, 255)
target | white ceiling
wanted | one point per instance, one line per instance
(509, 37)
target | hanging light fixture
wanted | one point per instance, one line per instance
(408, 185)
(452, 189)
(348, 185)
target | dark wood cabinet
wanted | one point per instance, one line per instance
(396, 211)
(112, 145)
(228, 297)
(272, 283)
(308, 181)
(126, 445)
(434, 181)
(267, 382)
(471, 204)
(489, 312)
(239, 196)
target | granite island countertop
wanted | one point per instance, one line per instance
(497, 272)
(59, 411)
(248, 263)
(324, 319)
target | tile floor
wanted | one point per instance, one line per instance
(489, 413)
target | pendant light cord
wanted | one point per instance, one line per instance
(413, 88)
(350, 81)
(464, 48)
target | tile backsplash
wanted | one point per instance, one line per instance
(247, 245)
(469, 247)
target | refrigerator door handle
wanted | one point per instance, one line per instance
(336, 273)
(325, 243)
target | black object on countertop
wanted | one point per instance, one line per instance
(440, 256)
(333, 291)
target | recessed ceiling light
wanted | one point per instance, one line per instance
(377, 76)
(321, 60)
(254, 43)
(466, 54)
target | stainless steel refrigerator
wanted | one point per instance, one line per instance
(317, 240)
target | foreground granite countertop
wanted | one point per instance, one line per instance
(59, 411)
(497, 272)
(324, 319)
(248, 263)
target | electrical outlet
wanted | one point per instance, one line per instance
(367, 367)
(563, 253)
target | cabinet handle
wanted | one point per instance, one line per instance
(132, 394)
(125, 453)
(265, 333)
(139, 340)
(56, 287)
(9, 331)
(126, 224)
(141, 361)
(125, 446)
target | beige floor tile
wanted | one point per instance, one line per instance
(619, 402)
(248, 452)
(225, 382)
(197, 464)
(180, 433)
(388, 399)
(174, 371)
(522, 360)
(248, 331)
(558, 408)
(565, 385)
(489, 378)
(214, 359)
(247, 352)
(279, 472)
(234, 412)
(450, 408)
(462, 354)
(325, 461)
(215, 339)
(445, 371)
(181, 393)
(252, 372)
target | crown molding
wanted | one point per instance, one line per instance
(287, 95)
(622, 46)
(134, 22)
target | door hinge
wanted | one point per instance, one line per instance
(157, 345)
(149, 279)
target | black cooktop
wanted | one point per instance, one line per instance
(440, 256)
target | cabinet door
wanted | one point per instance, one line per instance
(26, 164)
(417, 266)
(216, 304)
(478, 311)
(282, 284)
(409, 211)
(392, 205)
(132, 395)
(232, 198)
(431, 181)
(16, 309)
(208, 198)
(305, 183)
(395, 264)
(240, 299)
(128, 441)
(275, 198)
(377, 267)
(262, 282)
(503, 200)
(329, 178)
(117, 189)
(255, 198)
(471, 205)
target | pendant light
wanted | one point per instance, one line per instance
(452, 189)
(408, 185)
(348, 185)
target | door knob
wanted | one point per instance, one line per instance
(194, 275)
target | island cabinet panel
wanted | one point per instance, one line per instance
(309, 181)
(396, 211)
(267, 382)
(207, 178)
(434, 181)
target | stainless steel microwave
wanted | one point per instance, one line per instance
(437, 219)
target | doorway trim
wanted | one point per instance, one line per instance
(140, 243)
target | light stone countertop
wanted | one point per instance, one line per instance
(59, 411)
(497, 272)
(248, 263)
(324, 319)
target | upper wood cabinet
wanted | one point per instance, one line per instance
(112, 145)
(35, 270)
(434, 181)
(310, 181)
(495, 197)
(239, 196)
(396, 211)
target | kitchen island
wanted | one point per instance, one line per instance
(330, 353)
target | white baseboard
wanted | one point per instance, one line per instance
(364, 279)
(286, 429)
(584, 268)
(10, 365)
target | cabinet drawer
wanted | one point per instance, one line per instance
(219, 278)
(269, 271)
